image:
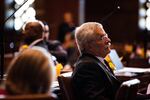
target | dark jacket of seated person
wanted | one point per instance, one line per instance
(92, 81)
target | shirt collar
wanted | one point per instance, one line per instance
(101, 59)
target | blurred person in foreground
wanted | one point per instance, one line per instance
(92, 79)
(31, 72)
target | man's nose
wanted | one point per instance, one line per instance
(108, 40)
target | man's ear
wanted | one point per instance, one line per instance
(89, 46)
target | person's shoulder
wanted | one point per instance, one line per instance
(88, 57)
(53, 44)
(86, 61)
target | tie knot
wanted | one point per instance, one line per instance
(110, 64)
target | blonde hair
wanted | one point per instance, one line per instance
(29, 73)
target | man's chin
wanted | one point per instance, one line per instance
(108, 50)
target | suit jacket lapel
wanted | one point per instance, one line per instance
(108, 72)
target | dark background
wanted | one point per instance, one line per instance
(122, 25)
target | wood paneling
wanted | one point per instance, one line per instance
(52, 11)
(122, 24)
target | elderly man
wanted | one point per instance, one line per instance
(92, 78)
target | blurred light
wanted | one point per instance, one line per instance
(25, 6)
(9, 12)
(19, 2)
(9, 23)
(142, 12)
(148, 4)
(23, 14)
(19, 13)
(18, 23)
(148, 53)
(31, 18)
(8, 1)
(142, 1)
(148, 23)
(11, 45)
(16, 6)
(24, 17)
(118, 7)
(30, 2)
(148, 12)
(142, 23)
(30, 12)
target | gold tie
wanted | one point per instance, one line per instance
(107, 66)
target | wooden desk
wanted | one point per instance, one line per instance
(144, 80)
(143, 77)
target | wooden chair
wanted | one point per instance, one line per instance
(66, 88)
(128, 90)
(27, 97)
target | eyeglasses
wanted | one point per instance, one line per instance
(104, 37)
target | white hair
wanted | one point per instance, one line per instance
(85, 34)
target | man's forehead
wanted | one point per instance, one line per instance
(99, 30)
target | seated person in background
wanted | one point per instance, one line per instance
(92, 77)
(37, 34)
(54, 46)
(70, 47)
(31, 72)
(56, 49)
(32, 31)
(66, 26)
(138, 52)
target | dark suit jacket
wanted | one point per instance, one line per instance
(92, 80)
